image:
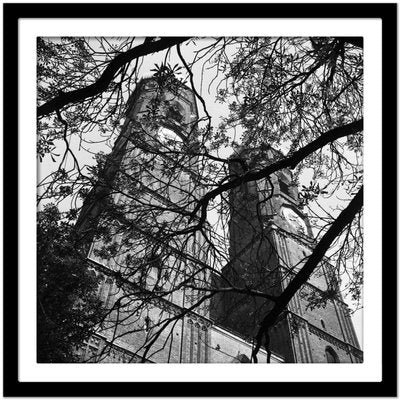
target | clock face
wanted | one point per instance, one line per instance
(294, 219)
(165, 134)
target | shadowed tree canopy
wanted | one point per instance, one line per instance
(68, 307)
(302, 97)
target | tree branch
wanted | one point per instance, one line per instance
(288, 162)
(344, 218)
(102, 83)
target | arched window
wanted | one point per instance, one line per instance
(331, 356)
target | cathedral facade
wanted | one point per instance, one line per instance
(270, 238)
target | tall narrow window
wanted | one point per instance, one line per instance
(284, 188)
(147, 324)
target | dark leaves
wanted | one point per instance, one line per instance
(68, 307)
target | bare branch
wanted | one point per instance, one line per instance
(102, 83)
(288, 162)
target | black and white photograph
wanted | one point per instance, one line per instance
(196, 187)
(200, 199)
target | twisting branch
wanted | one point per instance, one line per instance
(102, 83)
(288, 162)
(344, 219)
(190, 72)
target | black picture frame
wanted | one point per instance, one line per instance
(12, 386)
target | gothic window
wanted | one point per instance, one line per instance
(284, 188)
(155, 266)
(109, 294)
(331, 356)
(100, 288)
(147, 324)
(263, 188)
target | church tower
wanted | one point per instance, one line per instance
(137, 270)
(270, 239)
